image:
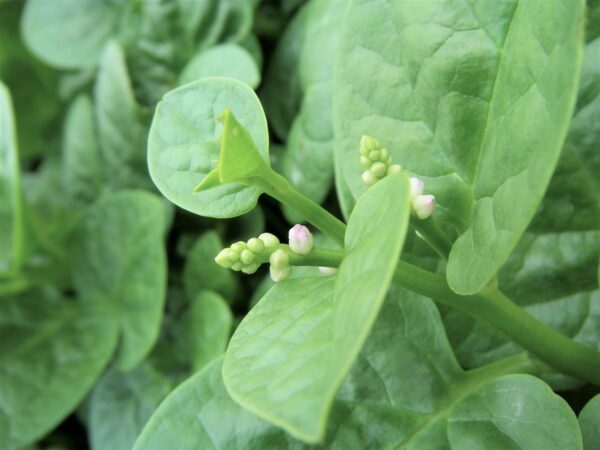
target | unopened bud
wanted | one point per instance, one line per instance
(416, 187)
(246, 257)
(237, 266)
(279, 259)
(365, 162)
(369, 144)
(378, 169)
(394, 168)
(385, 155)
(300, 239)
(251, 268)
(374, 155)
(224, 258)
(237, 247)
(271, 242)
(280, 274)
(255, 245)
(423, 206)
(328, 270)
(368, 178)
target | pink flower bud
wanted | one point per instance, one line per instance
(423, 206)
(301, 240)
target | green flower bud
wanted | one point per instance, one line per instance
(250, 269)
(374, 155)
(279, 259)
(238, 246)
(280, 274)
(365, 162)
(369, 144)
(237, 266)
(271, 242)
(246, 257)
(225, 258)
(378, 169)
(394, 168)
(385, 155)
(255, 245)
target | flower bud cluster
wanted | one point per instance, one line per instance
(377, 161)
(423, 205)
(247, 256)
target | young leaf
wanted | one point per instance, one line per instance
(82, 165)
(202, 273)
(225, 60)
(589, 421)
(51, 352)
(69, 35)
(288, 357)
(481, 111)
(382, 404)
(205, 329)
(121, 404)
(118, 257)
(11, 209)
(121, 134)
(183, 146)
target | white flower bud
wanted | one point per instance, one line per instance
(300, 239)
(423, 206)
(368, 178)
(416, 187)
(271, 242)
(280, 274)
(328, 270)
(279, 259)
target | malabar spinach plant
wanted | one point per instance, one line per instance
(401, 250)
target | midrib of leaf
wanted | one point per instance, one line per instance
(465, 384)
(501, 53)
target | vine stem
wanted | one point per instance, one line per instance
(281, 190)
(494, 308)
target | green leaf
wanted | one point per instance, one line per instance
(290, 354)
(312, 41)
(225, 60)
(552, 272)
(411, 395)
(589, 421)
(183, 145)
(121, 133)
(205, 329)
(118, 257)
(69, 35)
(82, 165)
(121, 404)
(202, 273)
(52, 349)
(476, 99)
(11, 209)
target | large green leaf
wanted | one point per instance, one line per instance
(82, 165)
(405, 391)
(69, 34)
(225, 60)
(552, 272)
(589, 421)
(11, 215)
(308, 159)
(121, 133)
(118, 257)
(121, 404)
(291, 353)
(183, 145)
(202, 273)
(474, 98)
(52, 349)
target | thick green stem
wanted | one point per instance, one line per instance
(281, 190)
(322, 257)
(494, 308)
